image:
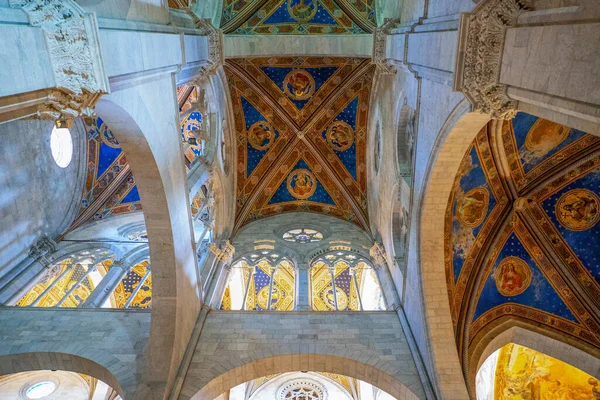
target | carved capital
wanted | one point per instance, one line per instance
(41, 249)
(384, 65)
(227, 251)
(482, 35)
(377, 253)
(73, 47)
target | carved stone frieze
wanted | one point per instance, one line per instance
(215, 48)
(482, 35)
(73, 48)
(384, 65)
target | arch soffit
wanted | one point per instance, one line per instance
(454, 139)
(510, 331)
(47, 360)
(304, 362)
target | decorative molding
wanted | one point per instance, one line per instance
(225, 253)
(384, 65)
(74, 51)
(481, 41)
(41, 249)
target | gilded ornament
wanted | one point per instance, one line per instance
(301, 184)
(577, 210)
(472, 208)
(299, 85)
(261, 135)
(340, 136)
(513, 276)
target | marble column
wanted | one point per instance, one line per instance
(302, 287)
(106, 287)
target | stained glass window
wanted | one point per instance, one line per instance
(356, 287)
(251, 287)
(135, 289)
(67, 284)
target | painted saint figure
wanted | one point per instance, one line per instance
(513, 276)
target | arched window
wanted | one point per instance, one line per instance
(519, 372)
(67, 284)
(61, 146)
(262, 285)
(134, 290)
(354, 283)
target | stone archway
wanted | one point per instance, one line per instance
(36, 361)
(453, 141)
(148, 132)
(302, 362)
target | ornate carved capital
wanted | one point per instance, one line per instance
(482, 35)
(227, 251)
(377, 253)
(384, 65)
(73, 47)
(41, 249)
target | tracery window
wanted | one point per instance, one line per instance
(67, 284)
(302, 236)
(134, 290)
(355, 284)
(262, 285)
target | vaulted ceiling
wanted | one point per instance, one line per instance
(301, 125)
(298, 17)
(523, 239)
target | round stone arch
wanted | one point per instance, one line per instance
(122, 380)
(303, 362)
(154, 152)
(453, 141)
(538, 338)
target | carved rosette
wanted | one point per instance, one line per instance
(479, 60)
(73, 47)
(384, 65)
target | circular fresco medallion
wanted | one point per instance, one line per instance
(577, 210)
(301, 11)
(513, 276)
(545, 135)
(263, 297)
(327, 297)
(340, 136)
(301, 183)
(108, 138)
(472, 208)
(298, 84)
(261, 135)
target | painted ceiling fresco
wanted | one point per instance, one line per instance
(524, 241)
(301, 126)
(517, 372)
(110, 186)
(298, 17)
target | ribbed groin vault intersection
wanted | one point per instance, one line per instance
(300, 199)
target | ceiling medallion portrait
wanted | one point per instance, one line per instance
(261, 135)
(340, 136)
(472, 208)
(513, 276)
(301, 184)
(300, 11)
(299, 85)
(108, 138)
(577, 210)
(545, 135)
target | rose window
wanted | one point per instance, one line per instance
(303, 389)
(302, 236)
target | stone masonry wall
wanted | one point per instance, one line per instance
(232, 339)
